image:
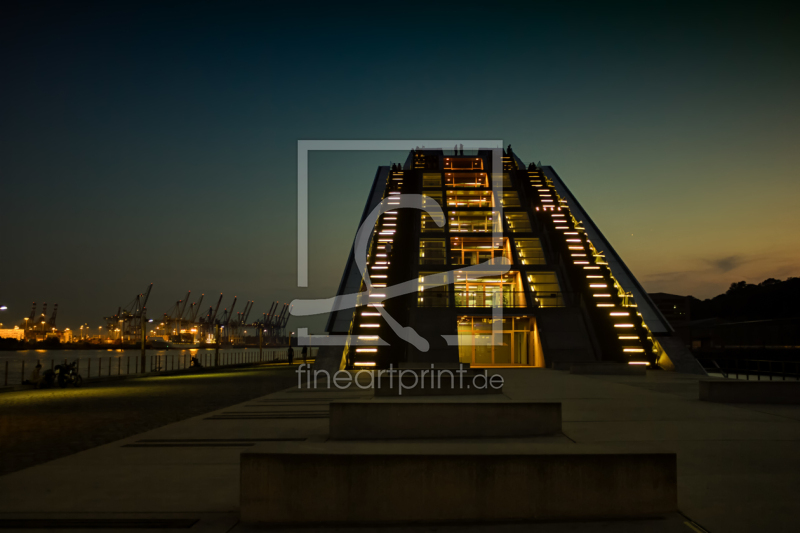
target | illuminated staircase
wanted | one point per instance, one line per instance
(369, 327)
(620, 329)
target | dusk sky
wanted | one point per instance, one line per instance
(158, 143)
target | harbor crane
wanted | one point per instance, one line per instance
(128, 319)
(53, 317)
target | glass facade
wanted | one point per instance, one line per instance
(513, 346)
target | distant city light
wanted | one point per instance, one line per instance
(3, 307)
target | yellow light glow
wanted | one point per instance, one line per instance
(364, 364)
(623, 325)
(368, 337)
(370, 325)
(619, 313)
(366, 350)
(645, 363)
(633, 350)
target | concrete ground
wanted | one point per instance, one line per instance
(37, 426)
(738, 466)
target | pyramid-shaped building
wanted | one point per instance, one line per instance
(483, 259)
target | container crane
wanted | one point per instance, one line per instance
(53, 317)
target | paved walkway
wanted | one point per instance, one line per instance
(738, 466)
(37, 426)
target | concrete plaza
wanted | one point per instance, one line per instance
(738, 466)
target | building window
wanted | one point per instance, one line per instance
(474, 221)
(518, 222)
(432, 252)
(429, 224)
(432, 180)
(475, 250)
(510, 199)
(466, 179)
(432, 289)
(463, 163)
(546, 290)
(530, 251)
(462, 199)
(487, 289)
(431, 200)
(511, 347)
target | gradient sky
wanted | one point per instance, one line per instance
(157, 143)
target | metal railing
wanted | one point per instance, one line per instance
(741, 368)
(16, 372)
(489, 299)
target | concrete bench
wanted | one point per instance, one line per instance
(352, 420)
(608, 369)
(407, 488)
(735, 391)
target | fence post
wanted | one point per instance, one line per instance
(99, 366)
(5, 376)
(89, 369)
(109, 367)
(23, 372)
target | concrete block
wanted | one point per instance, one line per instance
(735, 391)
(608, 369)
(353, 420)
(364, 489)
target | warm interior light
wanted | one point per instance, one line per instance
(623, 325)
(364, 364)
(366, 350)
